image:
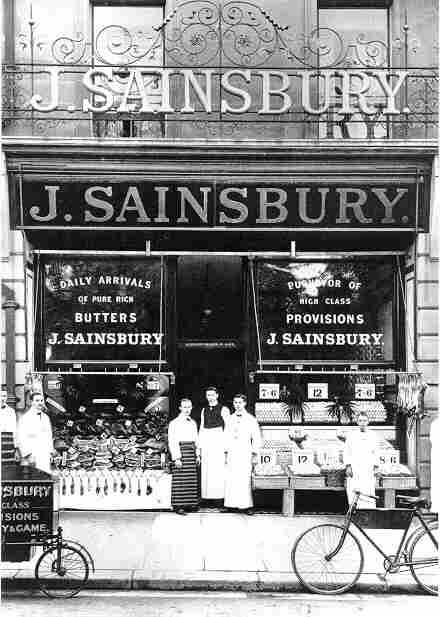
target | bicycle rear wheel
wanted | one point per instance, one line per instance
(423, 559)
(63, 577)
(327, 576)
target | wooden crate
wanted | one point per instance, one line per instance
(307, 482)
(270, 482)
(400, 482)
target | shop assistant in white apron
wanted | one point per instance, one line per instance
(242, 443)
(34, 435)
(211, 444)
(361, 459)
(183, 447)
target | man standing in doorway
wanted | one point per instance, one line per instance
(211, 444)
(242, 443)
(34, 435)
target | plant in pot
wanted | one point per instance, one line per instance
(294, 398)
(340, 408)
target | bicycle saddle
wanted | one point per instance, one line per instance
(413, 501)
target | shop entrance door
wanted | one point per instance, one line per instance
(210, 324)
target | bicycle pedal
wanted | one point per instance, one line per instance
(383, 579)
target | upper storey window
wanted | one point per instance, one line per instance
(362, 30)
(126, 37)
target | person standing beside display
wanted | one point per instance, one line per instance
(242, 443)
(8, 418)
(361, 458)
(183, 447)
(211, 443)
(34, 435)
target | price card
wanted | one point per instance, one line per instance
(302, 458)
(267, 457)
(269, 391)
(389, 456)
(317, 391)
(153, 384)
(365, 391)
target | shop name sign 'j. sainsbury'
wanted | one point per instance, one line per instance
(265, 91)
(183, 205)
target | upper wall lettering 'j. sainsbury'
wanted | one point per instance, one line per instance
(212, 69)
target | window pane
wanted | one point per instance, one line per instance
(364, 34)
(127, 35)
(326, 311)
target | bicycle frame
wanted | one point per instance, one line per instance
(396, 562)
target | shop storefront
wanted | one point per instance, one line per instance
(167, 252)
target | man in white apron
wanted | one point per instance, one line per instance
(34, 435)
(361, 459)
(8, 418)
(242, 443)
(211, 444)
(184, 451)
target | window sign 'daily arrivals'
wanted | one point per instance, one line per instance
(101, 310)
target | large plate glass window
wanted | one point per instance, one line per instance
(102, 310)
(326, 311)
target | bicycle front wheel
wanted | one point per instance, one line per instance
(61, 572)
(320, 573)
(423, 560)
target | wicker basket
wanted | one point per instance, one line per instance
(270, 482)
(334, 478)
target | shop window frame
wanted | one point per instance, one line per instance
(398, 316)
(41, 365)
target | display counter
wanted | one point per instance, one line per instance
(318, 465)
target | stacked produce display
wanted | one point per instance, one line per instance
(110, 438)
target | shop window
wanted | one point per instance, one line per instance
(100, 311)
(126, 37)
(326, 312)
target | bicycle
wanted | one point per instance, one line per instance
(329, 559)
(62, 570)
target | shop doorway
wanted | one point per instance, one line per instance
(200, 369)
(210, 325)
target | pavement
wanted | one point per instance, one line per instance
(207, 550)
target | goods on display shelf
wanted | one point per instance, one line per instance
(112, 453)
(326, 397)
(375, 410)
(269, 469)
(114, 489)
(308, 469)
(108, 421)
(394, 470)
(276, 413)
(319, 412)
